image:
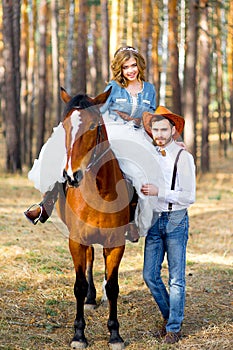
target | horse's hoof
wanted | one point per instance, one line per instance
(78, 345)
(116, 346)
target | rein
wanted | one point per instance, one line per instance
(94, 159)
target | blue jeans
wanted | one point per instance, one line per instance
(169, 233)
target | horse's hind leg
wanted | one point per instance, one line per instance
(113, 258)
(90, 302)
(78, 253)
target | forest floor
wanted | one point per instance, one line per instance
(37, 306)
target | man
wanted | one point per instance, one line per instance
(169, 231)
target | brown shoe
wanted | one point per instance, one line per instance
(34, 215)
(161, 331)
(132, 233)
(41, 212)
(172, 337)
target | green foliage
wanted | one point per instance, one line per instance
(50, 312)
(23, 287)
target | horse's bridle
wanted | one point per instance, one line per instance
(95, 158)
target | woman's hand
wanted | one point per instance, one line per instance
(181, 144)
(149, 190)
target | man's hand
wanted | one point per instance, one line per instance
(149, 190)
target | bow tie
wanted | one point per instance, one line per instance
(162, 152)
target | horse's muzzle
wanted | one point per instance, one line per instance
(78, 176)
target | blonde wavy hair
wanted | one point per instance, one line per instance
(122, 55)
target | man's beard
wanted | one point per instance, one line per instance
(164, 142)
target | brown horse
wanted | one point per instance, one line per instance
(95, 207)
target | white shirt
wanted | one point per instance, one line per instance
(134, 105)
(185, 185)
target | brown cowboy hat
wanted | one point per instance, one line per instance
(166, 113)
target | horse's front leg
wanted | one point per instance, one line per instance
(90, 302)
(78, 253)
(113, 258)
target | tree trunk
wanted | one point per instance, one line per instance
(122, 20)
(97, 51)
(130, 22)
(81, 81)
(2, 87)
(204, 84)
(164, 58)
(31, 82)
(189, 92)
(24, 81)
(55, 62)
(113, 43)
(146, 32)
(11, 38)
(92, 69)
(105, 42)
(174, 56)
(229, 57)
(70, 46)
(155, 57)
(219, 82)
(42, 75)
(137, 25)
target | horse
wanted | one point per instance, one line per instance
(95, 208)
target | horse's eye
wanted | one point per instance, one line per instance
(92, 126)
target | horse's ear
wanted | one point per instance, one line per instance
(64, 95)
(102, 98)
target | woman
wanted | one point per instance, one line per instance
(130, 97)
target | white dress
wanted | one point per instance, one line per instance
(48, 168)
(138, 160)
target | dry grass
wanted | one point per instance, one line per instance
(37, 306)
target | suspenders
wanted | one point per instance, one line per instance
(174, 176)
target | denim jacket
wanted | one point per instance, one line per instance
(121, 100)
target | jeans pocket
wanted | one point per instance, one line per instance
(177, 220)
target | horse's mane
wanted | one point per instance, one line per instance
(82, 101)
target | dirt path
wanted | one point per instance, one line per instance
(37, 307)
